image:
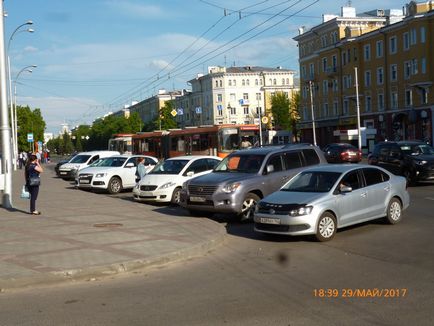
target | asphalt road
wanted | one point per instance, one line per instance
(257, 280)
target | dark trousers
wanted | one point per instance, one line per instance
(34, 191)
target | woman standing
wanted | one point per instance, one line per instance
(141, 170)
(32, 171)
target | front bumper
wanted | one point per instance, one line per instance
(68, 174)
(215, 203)
(285, 224)
(157, 195)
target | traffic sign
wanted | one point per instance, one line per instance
(30, 137)
(173, 113)
(264, 120)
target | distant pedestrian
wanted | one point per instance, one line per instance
(31, 173)
(21, 160)
(141, 169)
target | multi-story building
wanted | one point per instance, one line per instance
(389, 53)
(233, 95)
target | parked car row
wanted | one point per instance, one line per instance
(290, 189)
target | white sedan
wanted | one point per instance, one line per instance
(164, 182)
(113, 173)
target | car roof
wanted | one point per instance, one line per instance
(271, 149)
(342, 168)
(193, 157)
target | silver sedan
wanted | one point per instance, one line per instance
(322, 199)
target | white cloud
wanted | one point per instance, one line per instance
(30, 49)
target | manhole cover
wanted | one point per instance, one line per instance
(108, 225)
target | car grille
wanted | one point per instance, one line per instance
(281, 228)
(277, 209)
(198, 203)
(85, 178)
(201, 190)
(147, 188)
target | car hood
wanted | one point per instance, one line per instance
(424, 157)
(71, 165)
(219, 177)
(99, 169)
(160, 179)
(289, 197)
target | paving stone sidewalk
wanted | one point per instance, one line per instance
(83, 235)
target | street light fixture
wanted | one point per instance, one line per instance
(15, 120)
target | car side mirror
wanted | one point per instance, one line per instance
(130, 165)
(345, 189)
(190, 173)
(270, 168)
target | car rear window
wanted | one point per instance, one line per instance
(310, 157)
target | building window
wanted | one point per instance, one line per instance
(367, 78)
(379, 48)
(248, 82)
(335, 85)
(334, 62)
(256, 82)
(221, 83)
(303, 72)
(243, 83)
(394, 99)
(216, 83)
(393, 45)
(246, 110)
(235, 82)
(414, 67)
(368, 103)
(346, 107)
(344, 58)
(260, 82)
(233, 97)
(423, 65)
(413, 36)
(287, 81)
(325, 87)
(405, 41)
(233, 111)
(274, 82)
(324, 64)
(380, 76)
(424, 95)
(283, 81)
(345, 82)
(380, 102)
(219, 98)
(220, 113)
(335, 108)
(325, 109)
(311, 71)
(304, 92)
(408, 98)
(230, 82)
(422, 34)
(394, 72)
(407, 69)
(367, 52)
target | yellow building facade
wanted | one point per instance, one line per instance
(387, 57)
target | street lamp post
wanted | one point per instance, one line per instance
(359, 134)
(13, 116)
(313, 113)
(15, 122)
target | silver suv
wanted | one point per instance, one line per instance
(240, 180)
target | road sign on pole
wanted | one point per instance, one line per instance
(30, 137)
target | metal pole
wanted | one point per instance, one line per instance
(260, 124)
(313, 114)
(358, 109)
(14, 158)
(4, 124)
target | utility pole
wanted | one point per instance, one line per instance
(358, 109)
(4, 124)
(313, 114)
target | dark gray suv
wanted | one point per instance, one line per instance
(241, 179)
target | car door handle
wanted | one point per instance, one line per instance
(363, 194)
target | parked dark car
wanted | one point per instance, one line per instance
(61, 162)
(342, 153)
(412, 159)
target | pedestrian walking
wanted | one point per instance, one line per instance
(31, 174)
(141, 170)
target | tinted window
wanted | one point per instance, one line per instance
(197, 166)
(80, 159)
(292, 160)
(211, 163)
(310, 156)
(351, 179)
(384, 150)
(374, 176)
(312, 181)
(395, 151)
(276, 162)
(95, 158)
(149, 161)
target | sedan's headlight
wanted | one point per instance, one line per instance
(305, 210)
(421, 162)
(167, 185)
(100, 175)
(231, 187)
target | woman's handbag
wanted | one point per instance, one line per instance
(34, 181)
(24, 193)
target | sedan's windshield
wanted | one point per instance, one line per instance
(241, 163)
(169, 167)
(312, 181)
(80, 159)
(112, 161)
(416, 149)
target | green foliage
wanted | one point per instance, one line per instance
(294, 113)
(280, 108)
(166, 120)
(29, 121)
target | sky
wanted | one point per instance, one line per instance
(96, 56)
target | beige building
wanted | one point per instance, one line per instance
(233, 95)
(392, 51)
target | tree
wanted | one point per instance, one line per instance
(166, 120)
(29, 121)
(294, 113)
(280, 108)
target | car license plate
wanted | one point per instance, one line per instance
(62, 172)
(267, 220)
(197, 199)
(84, 181)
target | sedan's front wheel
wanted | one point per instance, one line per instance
(115, 185)
(394, 211)
(326, 228)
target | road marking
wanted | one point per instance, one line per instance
(429, 198)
